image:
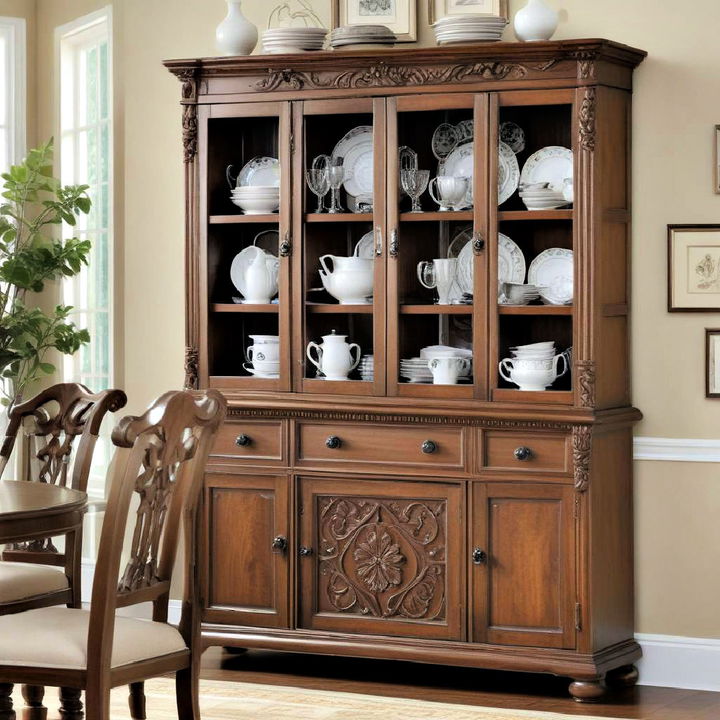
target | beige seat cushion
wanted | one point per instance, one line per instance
(56, 637)
(20, 581)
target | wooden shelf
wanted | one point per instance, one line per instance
(338, 217)
(337, 309)
(535, 309)
(243, 382)
(234, 219)
(436, 309)
(461, 391)
(547, 397)
(535, 215)
(333, 387)
(238, 308)
(449, 216)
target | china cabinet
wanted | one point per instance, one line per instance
(381, 515)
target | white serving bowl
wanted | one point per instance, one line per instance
(257, 206)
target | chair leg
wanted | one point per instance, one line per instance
(136, 700)
(187, 692)
(34, 708)
(71, 707)
(6, 703)
(97, 702)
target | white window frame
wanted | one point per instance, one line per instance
(68, 38)
(13, 29)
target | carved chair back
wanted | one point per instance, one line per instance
(53, 420)
(161, 457)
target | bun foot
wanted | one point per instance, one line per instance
(623, 677)
(586, 691)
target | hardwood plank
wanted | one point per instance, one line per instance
(448, 216)
(535, 310)
(436, 309)
(234, 219)
(238, 308)
(338, 217)
(337, 309)
(535, 215)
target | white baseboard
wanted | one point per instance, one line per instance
(680, 662)
(676, 449)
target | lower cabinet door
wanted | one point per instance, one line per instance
(381, 557)
(523, 564)
(246, 547)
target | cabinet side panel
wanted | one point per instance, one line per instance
(611, 539)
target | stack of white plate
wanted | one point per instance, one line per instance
(541, 196)
(469, 29)
(293, 39)
(256, 199)
(367, 368)
(361, 37)
(519, 293)
(534, 351)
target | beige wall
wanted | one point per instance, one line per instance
(677, 103)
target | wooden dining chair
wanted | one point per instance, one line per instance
(61, 424)
(161, 456)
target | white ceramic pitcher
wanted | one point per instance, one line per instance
(261, 279)
(334, 356)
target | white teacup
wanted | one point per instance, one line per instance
(532, 375)
(447, 370)
(263, 352)
(451, 191)
(263, 369)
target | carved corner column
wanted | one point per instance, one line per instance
(189, 93)
(584, 132)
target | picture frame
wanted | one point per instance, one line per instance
(443, 8)
(399, 15)
(712, 363)
(693, 268)
(716, 173)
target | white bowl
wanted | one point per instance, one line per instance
(257, 206)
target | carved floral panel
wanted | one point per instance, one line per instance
(382, 558)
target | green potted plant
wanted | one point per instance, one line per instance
(34, 205)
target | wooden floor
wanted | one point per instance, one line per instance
(453, 685)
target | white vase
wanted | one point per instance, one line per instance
(536, 21)
(235, 35)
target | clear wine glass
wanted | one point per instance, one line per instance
(336, 175)
(319, 183)
(414, 183)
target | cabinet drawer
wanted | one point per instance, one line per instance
(257, 440)
(534, 452)
(419, 447)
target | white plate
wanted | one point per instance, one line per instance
(513, 136)
(552, 165)
(365, 247)
(356, 149)
(553, 270)
(511, 261)
(508, 172)
(464, 276)
(444, 140)
(240, 264)
(260, 171)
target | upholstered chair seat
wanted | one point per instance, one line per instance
(57, 637)
(22, 581)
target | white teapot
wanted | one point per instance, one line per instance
(261, 279)
(334, 356)
(348, 279)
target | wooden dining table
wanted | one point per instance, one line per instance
(35, 510)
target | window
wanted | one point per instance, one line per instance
(12, 91)
(86, 158)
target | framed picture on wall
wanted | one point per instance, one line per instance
(443, 8)
(399, 15)
(693, 268)
(716, 173)
(712, 363)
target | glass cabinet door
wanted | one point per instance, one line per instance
(437, 219)
(533, 263)
(338, 269)
(245, 218)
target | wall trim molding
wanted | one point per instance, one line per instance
(676, 449)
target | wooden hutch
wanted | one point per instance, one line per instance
(471, 524)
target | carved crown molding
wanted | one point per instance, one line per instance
(582, 450)
(587, 120)
(383, 74)
(401, 419)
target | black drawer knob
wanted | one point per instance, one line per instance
(479, 556)
(429, 447)
(243, 440)
(305, 551)
(523, 453)
(333, 442)
(279, 544)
